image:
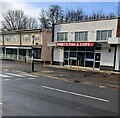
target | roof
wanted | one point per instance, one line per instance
(90, 20)
(24, 31)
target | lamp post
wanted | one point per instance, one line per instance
(33, 36)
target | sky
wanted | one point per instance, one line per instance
(32, 8)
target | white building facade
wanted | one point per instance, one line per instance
(94, 44)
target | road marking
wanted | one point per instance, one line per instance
(1, 75)
(30, 75)
(6, 79)
(77, 94)
(0, 103)
(31, 78)
(18, 79)
(14, 74)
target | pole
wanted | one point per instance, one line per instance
(33, 54)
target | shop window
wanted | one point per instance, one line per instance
(72, 54)
(9, 51)
(22, 52)
(81, 48)
(66, 48)
(37, 53)
(97, 48)
(89, 55)
(72, 48)
(89, 48)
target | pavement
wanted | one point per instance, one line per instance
(81, 75)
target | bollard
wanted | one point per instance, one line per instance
(44, 61)
(70, 63)
(78, 64)
(50, 61)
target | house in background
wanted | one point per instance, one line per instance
(17, 45)
(93, 43)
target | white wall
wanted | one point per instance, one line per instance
(58, 54)
(117, 64)
(107, 58)
(90, 26)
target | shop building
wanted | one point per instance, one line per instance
(94, 43)
(17, 45)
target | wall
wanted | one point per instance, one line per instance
(90, 26)
(46, 51)
(12, 41)
(117, 64)
(107, 58)
(58, 54)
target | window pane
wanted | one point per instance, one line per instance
(62, 36)
(86, 35)
(66, 35)
(98, 35)
(103, 35)
(58, 36)
(109, 33)
(82, 36)
(76, 36)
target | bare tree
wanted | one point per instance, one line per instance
(72, 15)
(31, 23)
(15, 19)
(97, 15)
(45, 23)
(110, 15)
(55, 13)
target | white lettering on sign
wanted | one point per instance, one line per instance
(75, 44)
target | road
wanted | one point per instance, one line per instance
(25, 94)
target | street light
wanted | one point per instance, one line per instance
(33, 36)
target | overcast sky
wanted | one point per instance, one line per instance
(33, 7)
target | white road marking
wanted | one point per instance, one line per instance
(77, 94)
(1, 75)
(15, 75)
(30, 75)
(31, 78)
(6, 79)
(0, 103)
(18, 79)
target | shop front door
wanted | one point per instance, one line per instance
(97, 60)
(66, 58)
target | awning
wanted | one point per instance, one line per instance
(15, 47)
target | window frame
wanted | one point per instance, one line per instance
(62, 36)
(100, 37)
(83, 38)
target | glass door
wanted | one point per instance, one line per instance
(97, 60)
(73, 58)
(66, 58)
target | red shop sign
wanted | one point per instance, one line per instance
(75, 44)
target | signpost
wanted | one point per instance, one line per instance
(33, 36)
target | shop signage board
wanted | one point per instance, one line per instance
(75, 44)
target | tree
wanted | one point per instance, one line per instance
(72, 15)
(45, 23)
(110, 15)
(31, 23)
(15, 20)
(97, 15)
(55, 13)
